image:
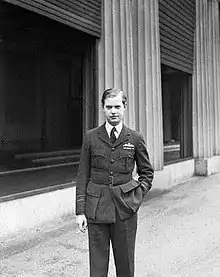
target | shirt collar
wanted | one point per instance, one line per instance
(117, 127)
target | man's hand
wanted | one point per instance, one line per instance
(81, 222)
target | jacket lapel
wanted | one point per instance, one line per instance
(123, 137)
(103, 135)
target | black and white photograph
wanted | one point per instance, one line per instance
(109, 138)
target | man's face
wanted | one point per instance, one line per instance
(114, 110)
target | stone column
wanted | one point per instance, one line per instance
(116, 54)
(148, 77)
(202, 98)
(206, 89)
(214, 70)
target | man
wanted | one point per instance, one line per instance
(107, 197)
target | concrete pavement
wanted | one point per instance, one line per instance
(178, 235)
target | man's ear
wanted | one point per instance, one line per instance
(125, 105)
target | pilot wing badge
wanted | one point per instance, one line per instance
(128, 146)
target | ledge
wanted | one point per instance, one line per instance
(30, 209)
(25, 211)
(173, 174)
(207, 166)
(33, 192)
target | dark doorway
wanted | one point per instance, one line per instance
(62, 101)
(42, 90)
(47, 90)
(177, 114)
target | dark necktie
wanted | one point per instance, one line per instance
(112, 135)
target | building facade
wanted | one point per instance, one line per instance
(166, 55)
(57, 58)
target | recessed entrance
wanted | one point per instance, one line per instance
(177, 114)
(43, 68)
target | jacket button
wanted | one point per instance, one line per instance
(112, 161)
(113, 148)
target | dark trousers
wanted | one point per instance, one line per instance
(122, 235)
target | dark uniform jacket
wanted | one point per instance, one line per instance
(104, 181)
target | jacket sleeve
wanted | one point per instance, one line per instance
(83, 176)
(144, 168)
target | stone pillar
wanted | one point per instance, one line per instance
(147, 72)
(116, 54)
(202, 98)
(206, 89)
(214, 70)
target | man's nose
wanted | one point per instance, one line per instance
(113, 110)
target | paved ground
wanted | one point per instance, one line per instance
(178, 235)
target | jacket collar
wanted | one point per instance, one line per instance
(109, 127)
(103, 135)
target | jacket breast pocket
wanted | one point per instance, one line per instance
(127, 160)
(93, 194)
(98, 158)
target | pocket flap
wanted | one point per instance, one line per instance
(93, 189)
(99, 152)
(126, 154)
(129, 186)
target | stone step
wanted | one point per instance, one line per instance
(28, 180)
(55, 159)
(36, 155)
(27, 162)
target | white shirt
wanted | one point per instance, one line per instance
(118, 128)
